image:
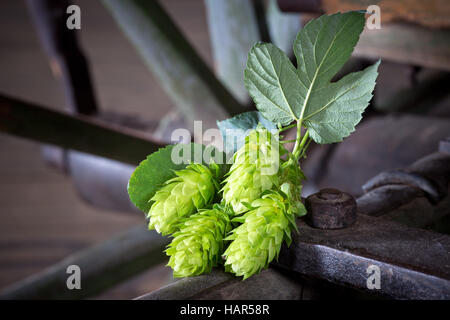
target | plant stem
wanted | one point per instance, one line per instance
(288, 127)
(302, 154)
(302, 144)
(297, 142)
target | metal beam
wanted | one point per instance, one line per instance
(269, 285)
(102, 266)
(414, 263)
(80, 133)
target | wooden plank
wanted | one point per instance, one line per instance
(429, 13)
(406, 43)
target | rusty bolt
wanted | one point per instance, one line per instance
(331, 209)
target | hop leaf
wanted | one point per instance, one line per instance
(282, 93)
(254, 170)
(197, 247)
(192, 189)
(257, 241)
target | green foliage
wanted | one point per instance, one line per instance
(283, 94)
(198, 244)
(261, 190)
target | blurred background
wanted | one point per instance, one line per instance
(140, 65)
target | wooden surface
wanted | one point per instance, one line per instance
(42, 220)
(429, 13)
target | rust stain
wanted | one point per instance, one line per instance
(430, 13)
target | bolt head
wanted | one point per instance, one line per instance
(331, 209)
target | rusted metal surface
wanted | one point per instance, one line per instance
(80, 133)
(102, 266)
(66, 58)
(414, 263)
(268, 285)
(331, 209)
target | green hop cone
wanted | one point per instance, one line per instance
(197, 247)
(291, 177)
(192, 189)
(257, 241)
(254, 170)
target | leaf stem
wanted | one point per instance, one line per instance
(302, 154)
(302, 144)
(297, 142)
(288, 127)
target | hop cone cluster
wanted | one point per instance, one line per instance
(192, 189)
(198, 244)
(257, 241)
(254, 170)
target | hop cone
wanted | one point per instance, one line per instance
(254, 170)
(291, 177)
(197, 247)
(257, 241)
(193, 188)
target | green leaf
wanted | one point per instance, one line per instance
(331, 110)
(282, 94)
(341, 105)
(234, 130)
(273, 83)
(151, 173)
